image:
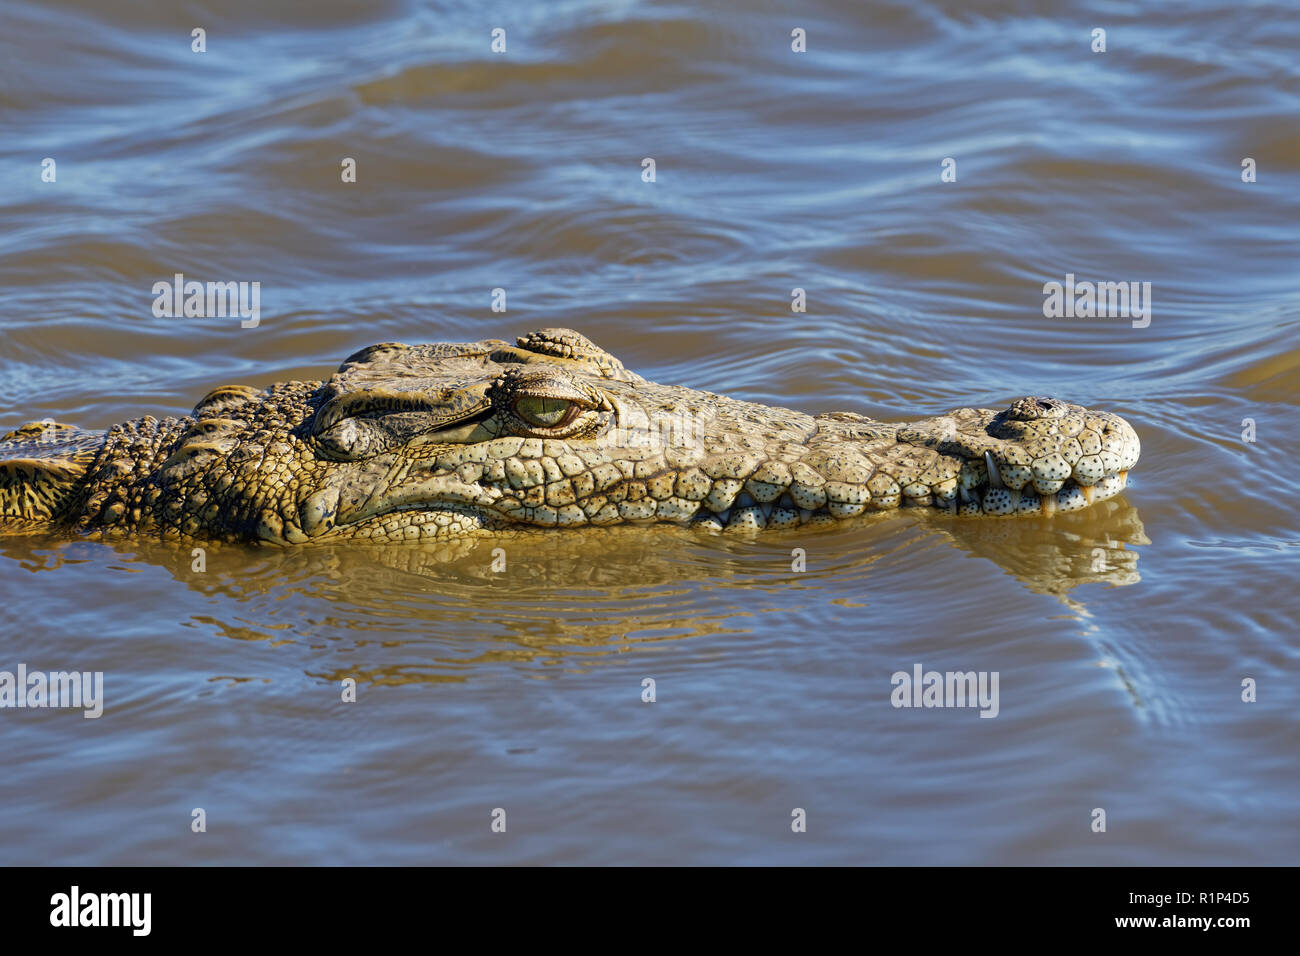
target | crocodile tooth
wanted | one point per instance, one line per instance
(709, 521)
(995, 479)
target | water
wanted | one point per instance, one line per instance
(1121, 635)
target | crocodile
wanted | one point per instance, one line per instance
(440, 441)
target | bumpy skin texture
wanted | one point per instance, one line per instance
(438, 441)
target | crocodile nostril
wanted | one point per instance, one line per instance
(1037, 406)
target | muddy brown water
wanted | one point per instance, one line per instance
(1121, 636)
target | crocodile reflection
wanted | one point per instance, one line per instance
(574, 599)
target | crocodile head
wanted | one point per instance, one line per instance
(437, 441)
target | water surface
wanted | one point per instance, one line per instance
(1121, 635)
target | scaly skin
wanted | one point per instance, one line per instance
(441, 441)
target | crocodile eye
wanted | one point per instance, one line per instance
(544, 402)
(546, 412)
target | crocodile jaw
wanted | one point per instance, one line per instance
(514, 483)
